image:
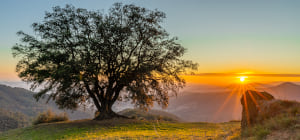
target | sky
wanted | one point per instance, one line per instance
(227, 38)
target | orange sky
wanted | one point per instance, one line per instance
(224, 79)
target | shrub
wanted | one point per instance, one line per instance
(261, 132)
(278, 107)
(274, 115)
(49, 117)
(256, 132)
(279, 122)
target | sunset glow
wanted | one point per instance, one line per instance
(141, 69)
(226, 79)
(242, 79)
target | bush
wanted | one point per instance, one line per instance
(261, 132)
(257, 132)
(274, 115)
(49, 117)
(279, 122)
(278, 107)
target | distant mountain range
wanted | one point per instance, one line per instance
(205, 103)
(194, 103)
(285, 91)
(22, 101)
(11, 120)
(222, 105)
(195, 106)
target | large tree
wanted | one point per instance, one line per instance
(77, 55)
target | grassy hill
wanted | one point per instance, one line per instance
(149, 115)
(124, 129)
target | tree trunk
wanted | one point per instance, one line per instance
(106, 112)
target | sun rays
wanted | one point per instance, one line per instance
(236, 96)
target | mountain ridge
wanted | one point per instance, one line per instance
(21, 100)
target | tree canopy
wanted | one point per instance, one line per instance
(77, 55)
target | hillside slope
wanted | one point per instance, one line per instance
(122, 129)
(149, 115)
(19, 108)
(11, 120)
(276, 120)
(21, 100)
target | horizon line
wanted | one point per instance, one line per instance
(244, 74)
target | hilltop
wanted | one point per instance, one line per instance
(149, 115)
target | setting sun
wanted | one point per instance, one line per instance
(242, 79)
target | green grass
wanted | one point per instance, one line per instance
(123, 129)
(277, 123)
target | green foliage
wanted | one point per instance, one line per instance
(50, 117)
(79, 55)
